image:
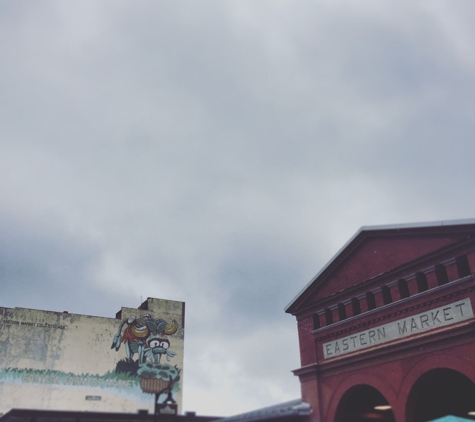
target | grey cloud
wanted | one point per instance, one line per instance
(219, 153)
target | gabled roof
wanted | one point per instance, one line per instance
(453, 227)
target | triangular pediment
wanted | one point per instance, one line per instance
(375, 250)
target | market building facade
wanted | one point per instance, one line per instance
(387, 327)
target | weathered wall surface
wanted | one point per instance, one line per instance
(52, 360)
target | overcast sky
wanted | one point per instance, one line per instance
(219, 153)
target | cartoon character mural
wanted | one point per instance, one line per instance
(147, 337)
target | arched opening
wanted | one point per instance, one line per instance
(441, 392)
(363, 403)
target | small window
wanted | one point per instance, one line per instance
(370, 300)
(328, 316)
(341, 311)
(422, 285)
(441, 273)
(355, 303)
(316, 321)
(403, 289)
(462, 266)
(387, 299)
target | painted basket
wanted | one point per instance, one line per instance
(154, 385)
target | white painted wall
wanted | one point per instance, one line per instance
(53, 360)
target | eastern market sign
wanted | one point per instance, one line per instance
(425, 321)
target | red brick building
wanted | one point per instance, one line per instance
(387, 327)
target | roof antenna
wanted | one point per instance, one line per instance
(141, 300)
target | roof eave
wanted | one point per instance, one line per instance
(291, 307)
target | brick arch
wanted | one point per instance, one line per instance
(353, 380)
(441, 360)
(464, 366)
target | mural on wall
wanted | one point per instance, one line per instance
(146, 341)
(39, 362)
(60, 360)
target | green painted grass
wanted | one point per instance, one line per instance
(49, 376)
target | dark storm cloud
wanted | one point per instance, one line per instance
(41, 267)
